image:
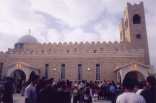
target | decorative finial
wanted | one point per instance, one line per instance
(29, 31)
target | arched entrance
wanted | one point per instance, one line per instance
(18, 74)
(135, 75)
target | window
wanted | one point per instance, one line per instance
(62, 71)
(97, 71)
(138, 36)
(1, 67)
(19, 46)
(79, 72)
(136, 19)
(46, 70)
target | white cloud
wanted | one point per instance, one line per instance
(79, 35)
(53, 36)
(17, 17)
(72, 12)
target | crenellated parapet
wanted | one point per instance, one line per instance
(70, 45)
(85, 52)
(69, 48)
(134, 5)
(3, 53)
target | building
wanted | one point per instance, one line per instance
(85, 61)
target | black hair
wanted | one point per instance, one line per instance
(128, 83)
(151, 80)
(87, 84)
(140, 85)
(83, 81)
(48, 81)
(35, 77)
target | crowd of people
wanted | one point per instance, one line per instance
(43, 90)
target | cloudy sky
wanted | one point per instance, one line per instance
(69, 21)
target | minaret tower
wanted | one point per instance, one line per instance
(133, 28)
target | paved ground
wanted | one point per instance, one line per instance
(20, 99)
(17, 98)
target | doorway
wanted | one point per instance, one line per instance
(136, 76)
(18, 74)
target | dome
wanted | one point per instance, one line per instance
(28, 39)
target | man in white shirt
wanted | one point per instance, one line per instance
(129, 96)
(30, 91)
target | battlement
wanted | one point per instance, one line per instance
(76, 43)
(87, 47)
(1, 53)
(135, 5)
(92, 49)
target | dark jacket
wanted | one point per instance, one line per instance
(149, 95)
(47, 95)
(7, 93)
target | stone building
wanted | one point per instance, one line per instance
(85, 61)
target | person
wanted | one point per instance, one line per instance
(129, 96)
(23, 87)
(40, 85)
(75, 94)
(81, 91)
(139, 88)
(95, 93)
(107, 87)
(47, 94)
(7, 93)
(30, 91)
(67, 92)
(1, 89)
(150, 93)
(87, 97)
(100, 90)
(17, 86)
(113, 90)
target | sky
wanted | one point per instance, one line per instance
(69, 21)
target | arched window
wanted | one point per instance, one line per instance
(136, 19)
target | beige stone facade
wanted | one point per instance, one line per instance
(99, 58)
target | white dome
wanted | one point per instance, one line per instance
(28, 39)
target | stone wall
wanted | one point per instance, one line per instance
(109, 58)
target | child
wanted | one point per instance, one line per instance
(75, 94)
(87, 97)
(96, 93)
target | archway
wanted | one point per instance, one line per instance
(135, 75)
(18, 74)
